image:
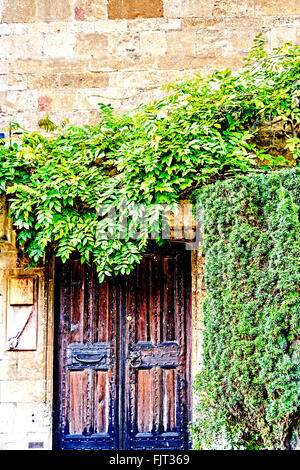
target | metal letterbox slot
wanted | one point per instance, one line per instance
(94, 356)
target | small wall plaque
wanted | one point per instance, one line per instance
(22, 313)
(21, 290)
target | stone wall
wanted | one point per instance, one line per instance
(25, 376)
(64, 57)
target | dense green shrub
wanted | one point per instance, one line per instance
(204, 129)
(249, 389)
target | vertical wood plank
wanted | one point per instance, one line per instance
(158, 399)
(145, 400)
(169, 400)
(102, 312)
(101, 401)
(143, 300)
(77, 302)
(169, 293)
(78, 402)
(64, 339)
(155, 273)
(89, 297)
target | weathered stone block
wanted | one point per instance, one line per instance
(107, 26)
(37, 82)
(153, 42)
(241, 40)
(211, 43)
(187, 8)
(64, 100)
(181, 42)
(281, 35)
(54, 10)
(124, 44)
(48, 66)
(4, 66)
(132, 62)
(154, 24)
(83, 80)
(23, 100)
(26, 46)
(176, 62)
(107, 45)
(32, 417)
(5, 47)
(7, 417)
(16, 82)
(8, 257)
(8, 370)
(135, 9)
(5, 29)
(92, 45)
(274, 7)
(18, 11)
(242, 22)
(90, 10)
(281, 21)
(59, 45)
(22, 391)
(32, 369)
(201, 23)
(233, 7)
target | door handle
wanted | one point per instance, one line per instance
(89, 361)
(134, 359)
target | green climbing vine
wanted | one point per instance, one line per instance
(203, 130)
(249, 388)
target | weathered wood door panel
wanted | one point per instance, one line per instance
(122, 356)
(87, 349)
(155, 387)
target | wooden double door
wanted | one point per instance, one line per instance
(122, 367)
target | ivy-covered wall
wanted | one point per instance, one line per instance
(249, 389)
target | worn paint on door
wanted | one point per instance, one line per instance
(122, 362)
